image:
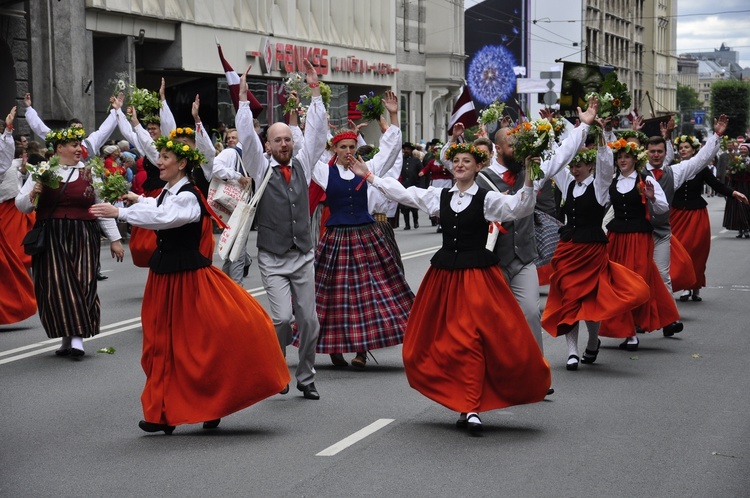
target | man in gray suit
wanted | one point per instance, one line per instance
(285, 246)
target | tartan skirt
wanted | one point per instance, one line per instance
(736, 214)
(65, 278)
(16, 292)
(693, 229)
(361, 294)
(635, 251)
(586, 285)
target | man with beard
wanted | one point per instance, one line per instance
(516, 244)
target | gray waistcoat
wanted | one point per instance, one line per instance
(660, 222)
(520, 241)
(283, 213)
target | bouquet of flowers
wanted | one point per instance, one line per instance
(371, 106)
(144, 101)
(492, 113)
(295, 83)
(45, 173)
(325, 94)
(558, 126)
(109, 186)
(533, 139)
(119, 84)
(371, 154)
(736, 165)
(613, 96)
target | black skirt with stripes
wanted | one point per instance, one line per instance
(736, 214)
(65, 278)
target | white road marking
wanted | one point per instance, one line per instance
(134, 323)
(356, 437)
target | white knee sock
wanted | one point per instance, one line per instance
(77, 342)
(572, 340)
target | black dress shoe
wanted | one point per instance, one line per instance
(475, 428)
(151, 427)
(100, 277)
(572, 366)
(308, 391)
(589, 356)
(62, 352)
(461, 423)
(77, 353)
(211, 424)
(628, 346)
(550, 391)
(285, 390)
(673, 328)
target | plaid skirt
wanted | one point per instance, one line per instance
(361, 294)
(65, 278)
(546, 232)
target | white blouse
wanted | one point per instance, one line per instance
(176, 209)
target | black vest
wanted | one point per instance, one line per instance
(690, 195)
(630, 213)
(177, 249)
(584, 216)
(152, 182)
(464, 235)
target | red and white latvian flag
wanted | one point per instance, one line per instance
(234, 86)
(463, 111)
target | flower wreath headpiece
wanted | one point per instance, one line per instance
(636, 151)
(55, 137)
(182, 132)
(587, 156)
(150, 118)
(642, 137)
(182, 151)
(689, 139)
(480, 155)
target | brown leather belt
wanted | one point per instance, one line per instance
(380, 217)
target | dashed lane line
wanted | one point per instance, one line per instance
(356, 437)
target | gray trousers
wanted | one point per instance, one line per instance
(524, 284)
(288, 277)
(662, 258)
(236, 269)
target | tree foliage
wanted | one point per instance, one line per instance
(688, 99)
(732, 97)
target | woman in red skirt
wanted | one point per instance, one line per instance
(209, 348)
(631, 243)
(689, 214)
(468, 345)
(584, 284)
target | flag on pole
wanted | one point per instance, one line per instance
(463, 111)
(233, 79)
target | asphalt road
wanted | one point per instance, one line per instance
(668, 420)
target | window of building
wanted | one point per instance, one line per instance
(404, 115)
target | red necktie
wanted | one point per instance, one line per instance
(286, 170)
(509, 177)
(657, 173)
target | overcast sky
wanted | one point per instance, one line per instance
(704, 33)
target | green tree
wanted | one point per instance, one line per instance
(688, 100)
(732, 97)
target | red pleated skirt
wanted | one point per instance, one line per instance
(693, 229)
(16, 225)
(635, 251)
(468, 352)
(681, 269)
(543, 274)
(17, 301)
(586, 285)
(142, 241)
(209, 348)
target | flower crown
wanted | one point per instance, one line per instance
(182, 151)
(480, 155)
(182, 132)
(150, 118)
(55, 137)
(636, 151)
(642, 137)
(587, 156)
(689, 139)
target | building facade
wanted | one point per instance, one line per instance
(69, 55)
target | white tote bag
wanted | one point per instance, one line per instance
(495, 226)
(224, 196)
(234, 238)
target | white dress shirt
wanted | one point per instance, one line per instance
(92, 143)
(176, 209)
(688, 169)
